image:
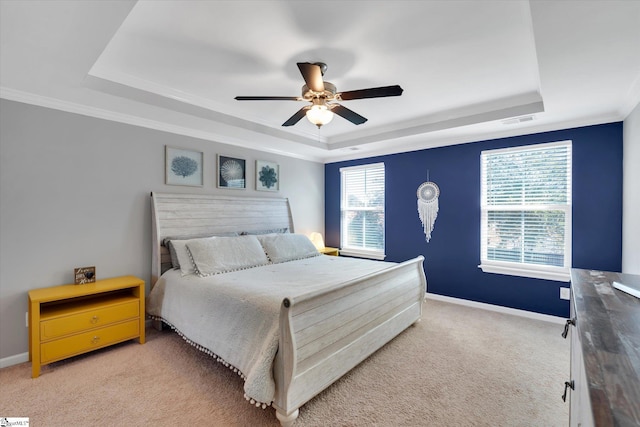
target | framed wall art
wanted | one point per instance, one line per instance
(267, 176)
(183, 167)
(232, 172)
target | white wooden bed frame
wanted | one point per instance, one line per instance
(323, 335)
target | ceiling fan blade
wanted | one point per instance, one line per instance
(346, 113)
(268, 98)
(296, 117)
(312, 75)
(374, 92)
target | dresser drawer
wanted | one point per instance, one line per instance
(87, 341)
(94, 317)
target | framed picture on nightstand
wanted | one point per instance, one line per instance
(84, 275)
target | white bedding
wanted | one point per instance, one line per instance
(235, 315)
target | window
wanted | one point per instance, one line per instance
(526, 211)
(362, 211)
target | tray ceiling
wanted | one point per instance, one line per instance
(470, 70)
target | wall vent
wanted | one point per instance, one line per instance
(517, 120)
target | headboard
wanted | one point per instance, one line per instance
(190, 215)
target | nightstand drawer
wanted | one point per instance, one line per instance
(97, 315)
(92, 340)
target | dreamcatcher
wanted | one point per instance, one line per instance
(428, 193)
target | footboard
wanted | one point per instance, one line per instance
(325, 334)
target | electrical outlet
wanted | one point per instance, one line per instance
(565, 293)
(26, 319)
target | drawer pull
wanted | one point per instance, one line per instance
(566, 327)
(567, 384)
(95, 319)
(95, 340)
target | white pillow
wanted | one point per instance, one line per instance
(184, 259)
(221, 254)
(175, 263)
(287, 247)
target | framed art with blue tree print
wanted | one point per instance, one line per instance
(267, 176)
(183, 167)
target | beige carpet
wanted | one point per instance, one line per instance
(460, 366)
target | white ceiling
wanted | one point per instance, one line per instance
(465, 67)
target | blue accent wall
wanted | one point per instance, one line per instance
(453, 254)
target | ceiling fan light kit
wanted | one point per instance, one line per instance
(323, 95)
(319, 115)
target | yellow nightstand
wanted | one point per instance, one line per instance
(68, 320)
(329, 251)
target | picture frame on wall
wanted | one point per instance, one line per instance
(267, 176)
(232, 172)
(183, 167)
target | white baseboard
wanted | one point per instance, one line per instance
(499, 309)
(14, 360)
(24, 357)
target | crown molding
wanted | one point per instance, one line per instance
(429, 143)
(99, 113)
(426, 143)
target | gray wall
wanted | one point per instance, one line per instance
(631, 194)
(74, 192)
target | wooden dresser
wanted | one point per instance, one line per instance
(605, 350)
(68, 320)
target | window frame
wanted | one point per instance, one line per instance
(378, 254)
(523, 269)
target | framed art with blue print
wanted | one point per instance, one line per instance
(267, 176)
(232, 172)
(183, 167)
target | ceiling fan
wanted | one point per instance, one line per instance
(322, 96)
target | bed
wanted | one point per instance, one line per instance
(290, 325)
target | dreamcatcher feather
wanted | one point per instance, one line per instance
(428, 193)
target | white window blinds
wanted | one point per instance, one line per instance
(362, 210)
(526, 211)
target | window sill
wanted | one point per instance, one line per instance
(560, 275)
(362, 254)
